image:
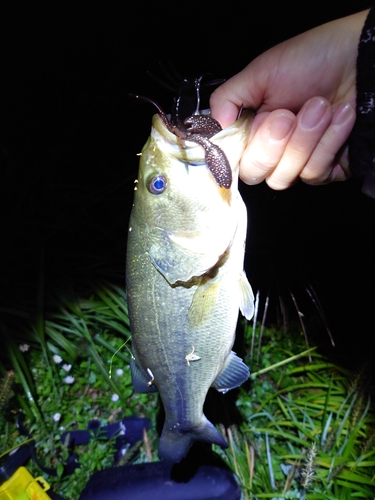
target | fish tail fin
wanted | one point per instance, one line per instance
(176, 442)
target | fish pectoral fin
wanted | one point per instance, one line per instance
(235, 372)
(203, 304)
(142, 382)
(246, 297)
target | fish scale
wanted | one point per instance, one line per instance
(185, 281)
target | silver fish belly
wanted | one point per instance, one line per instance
(185, 280)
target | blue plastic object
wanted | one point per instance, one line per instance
(162, 481)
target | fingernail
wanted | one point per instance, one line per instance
(280, 127)
(313, 113)
(342, 114)
(344, 159)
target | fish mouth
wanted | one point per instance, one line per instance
(192, 153)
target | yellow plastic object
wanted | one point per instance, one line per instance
(22, 486)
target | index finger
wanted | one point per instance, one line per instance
(226, 100)
(222, 109)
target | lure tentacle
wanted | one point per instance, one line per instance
(196, 128)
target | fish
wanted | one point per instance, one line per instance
(185, 277)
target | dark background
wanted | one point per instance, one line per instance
(70, 136)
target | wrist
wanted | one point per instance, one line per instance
(362, 143)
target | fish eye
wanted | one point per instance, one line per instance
(157, 184)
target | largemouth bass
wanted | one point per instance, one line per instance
(185, 279)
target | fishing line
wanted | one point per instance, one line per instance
(114, 354)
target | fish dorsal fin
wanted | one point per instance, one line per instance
(234, 374)
(246, 297)
(141, 380)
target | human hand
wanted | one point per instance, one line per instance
(303, 91)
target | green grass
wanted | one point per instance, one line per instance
(308, 428)
(308, 431)
(75, 369)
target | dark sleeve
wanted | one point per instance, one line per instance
(362, 139)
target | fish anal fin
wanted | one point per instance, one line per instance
(246, 297)
(235, 372)
(142, 382)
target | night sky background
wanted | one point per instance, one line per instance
(70, 135)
